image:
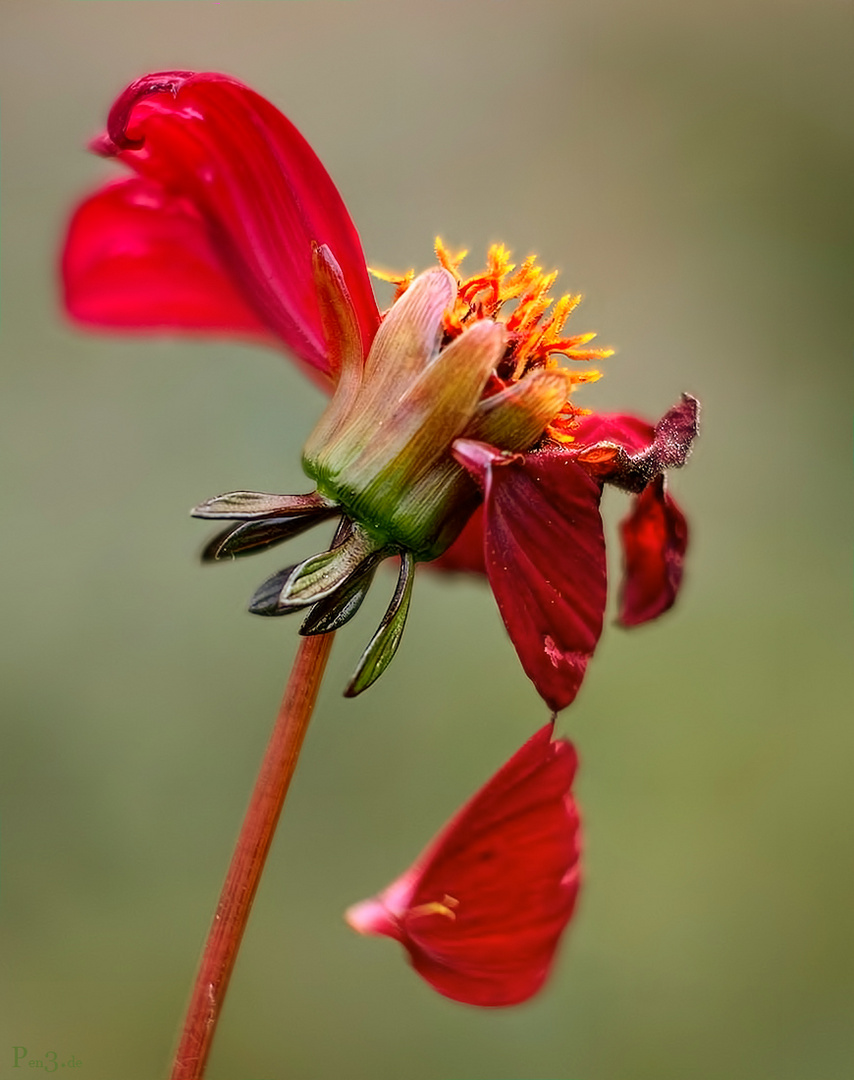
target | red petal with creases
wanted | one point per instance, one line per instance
(545, 557)
(483, 909)
(655, 538)
(259, 189)
(137, 257)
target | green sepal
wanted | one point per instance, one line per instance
(252, 536)
(409, 336)
(515, 418)
(343, 345)
(383, 645)
(265, 600)
(323, 574)
(336, 610)
(252, 505)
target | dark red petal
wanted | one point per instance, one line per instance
(626, 451)
(655, 537)
(675, 433)
(545, 557)
(137, 257)
(466, 553)
(483, 909)
(259, 188)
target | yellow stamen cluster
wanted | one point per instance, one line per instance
(534, 335)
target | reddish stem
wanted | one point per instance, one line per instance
(250, 854)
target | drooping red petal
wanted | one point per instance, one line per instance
(545, 557)
(482, 910)
(257, 186)
(655, 538)
(137, 257)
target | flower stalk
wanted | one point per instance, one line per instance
(250, 855)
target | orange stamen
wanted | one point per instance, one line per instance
(534, 335)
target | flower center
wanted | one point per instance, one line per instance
(519, 297)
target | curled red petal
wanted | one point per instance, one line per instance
(116, 137)
(259, 189)
(626, 451)
(482, 911)
(545, 558)
(655, 538)
(138, 257)
(675, 433)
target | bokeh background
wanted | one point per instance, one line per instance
(689, 168)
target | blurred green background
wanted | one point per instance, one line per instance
(689, 168)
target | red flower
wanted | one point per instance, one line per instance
(232, 226)
(482, 911)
